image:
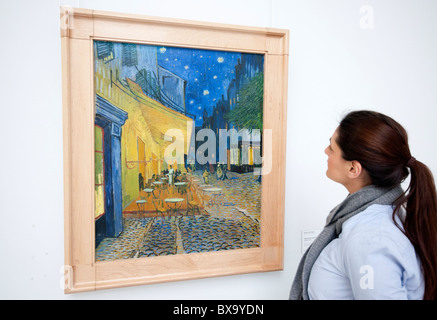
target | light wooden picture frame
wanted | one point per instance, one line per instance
(80, 29)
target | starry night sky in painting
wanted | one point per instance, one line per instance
(208, 74)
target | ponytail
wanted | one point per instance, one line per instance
(420, 223)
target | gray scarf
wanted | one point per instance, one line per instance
(353, 204)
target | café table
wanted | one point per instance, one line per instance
(141, 205)
(158, 185)
(181, 186)
(214, 193)
(175, 202)
(149, 192)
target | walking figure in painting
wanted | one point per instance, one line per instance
(141, 181)
(206, 177)
(219, 173)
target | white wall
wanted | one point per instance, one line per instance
(335, 66)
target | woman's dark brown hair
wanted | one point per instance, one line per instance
(380, 144)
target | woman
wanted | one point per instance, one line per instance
(381, 241)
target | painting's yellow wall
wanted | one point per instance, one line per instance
(147, 120)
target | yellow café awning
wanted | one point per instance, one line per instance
(160, 118)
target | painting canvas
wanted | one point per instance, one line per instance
(177, 150)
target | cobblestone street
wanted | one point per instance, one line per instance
(228, 220)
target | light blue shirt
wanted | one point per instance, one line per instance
(371, 259)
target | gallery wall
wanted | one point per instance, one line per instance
(345, 55)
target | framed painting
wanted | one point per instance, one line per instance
(174, 149)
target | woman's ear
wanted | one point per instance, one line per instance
(355, 170)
